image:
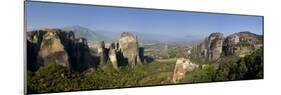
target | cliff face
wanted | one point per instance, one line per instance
(238, 44)
(210, 48)
(214, 48)
(112, 54)
(129, 47)
(102, 52)
(241, 44)
(61, 47)
(57, 46)
(52, 49)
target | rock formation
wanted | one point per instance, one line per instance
(113, 56)
(59, 47)
(102, 53)
(52, 49)
(81, 58)
(215, 46)
(182, 66)
(129, 47)
(33, 47)
(241, 44)
(210, 48)
(122, 53)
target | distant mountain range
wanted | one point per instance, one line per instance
(87, 33)
(94, 35)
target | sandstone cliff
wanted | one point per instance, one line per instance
(241, 44)
(216, 46)
(112, 54)
(57, 46)
(129, 48)
(102, 53)
(61, 47)
(210, 48)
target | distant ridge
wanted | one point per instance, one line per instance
(86, 33)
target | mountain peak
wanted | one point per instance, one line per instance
(87, 33)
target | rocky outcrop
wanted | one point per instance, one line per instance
(210, 48)
(125, 52)
(59, 47)
(33, 47)
(215, 46)
(81, 59)
(113, 56)
(101, 50)
(241, 44)
(182, 66)
(52, 50)
(129, 48)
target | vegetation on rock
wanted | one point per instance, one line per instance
(75, 66)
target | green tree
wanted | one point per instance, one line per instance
(249, 67)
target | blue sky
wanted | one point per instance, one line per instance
(155, 22)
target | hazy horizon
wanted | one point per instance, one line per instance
(159, 24)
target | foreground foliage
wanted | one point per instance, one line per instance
(54, 78)
(249, 67)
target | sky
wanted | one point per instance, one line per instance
(160, 23)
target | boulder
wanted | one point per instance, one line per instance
(182, 66)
